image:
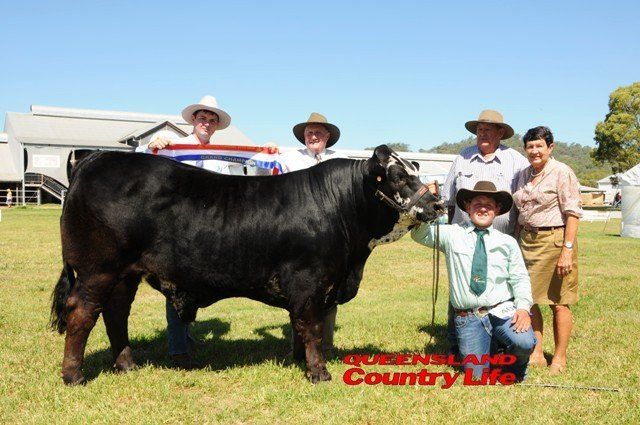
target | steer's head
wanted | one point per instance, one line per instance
(397, 184)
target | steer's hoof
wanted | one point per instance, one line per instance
(320, 375)
(124, 362)
(73, 377)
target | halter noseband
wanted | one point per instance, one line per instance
(404, 209)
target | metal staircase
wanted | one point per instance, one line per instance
(46, 183)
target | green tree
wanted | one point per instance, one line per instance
(618, 136)
(396, 146)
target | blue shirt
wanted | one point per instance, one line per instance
(470, 167)
(507, 276)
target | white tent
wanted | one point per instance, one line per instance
(630, 185)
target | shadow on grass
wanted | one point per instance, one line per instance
(213, 351)
(437, 334)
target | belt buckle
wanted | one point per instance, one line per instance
(476, 311)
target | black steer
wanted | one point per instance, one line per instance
(298, 241)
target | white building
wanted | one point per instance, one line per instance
(38, 148)
(609, 188)
(42, 145)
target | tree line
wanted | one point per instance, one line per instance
(577, 156)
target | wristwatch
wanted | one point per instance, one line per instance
(568, 245)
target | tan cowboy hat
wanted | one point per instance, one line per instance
(208, 103)
(486, 188)
(316, 118)
(491, 117)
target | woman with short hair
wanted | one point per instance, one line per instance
(549, 207)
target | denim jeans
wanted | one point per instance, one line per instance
(475, 334)
(177, 332)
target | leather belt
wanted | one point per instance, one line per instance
(532, 229)
(465, 313)
(481, 310)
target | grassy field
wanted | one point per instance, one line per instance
(244, 378)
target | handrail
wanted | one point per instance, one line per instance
(47, 183)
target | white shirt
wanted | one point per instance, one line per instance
(303, 158)
(218, 166)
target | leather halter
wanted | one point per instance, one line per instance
(404, 209)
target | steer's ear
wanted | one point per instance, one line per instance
(382, 153)
(416, 164)
(376, 166)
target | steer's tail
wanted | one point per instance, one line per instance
(59, 298)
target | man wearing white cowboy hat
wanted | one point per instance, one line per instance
(488, 160)
(489, 285)
(317, 134)
(206, 117)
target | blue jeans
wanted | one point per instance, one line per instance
(475, 333)
(177, 331)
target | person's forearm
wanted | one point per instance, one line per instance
(423, 234)
(571, 229)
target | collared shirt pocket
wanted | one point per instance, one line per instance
(464, 180)
(503, 182)
(462, 250)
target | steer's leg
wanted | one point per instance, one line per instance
(309, 326)
(116, 317)
(83, 307)
(299, 353)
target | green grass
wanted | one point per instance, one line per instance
(244, 378)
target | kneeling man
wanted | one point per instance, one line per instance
(489, 286)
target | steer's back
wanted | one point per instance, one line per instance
(207, 233)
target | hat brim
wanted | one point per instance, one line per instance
(224, 119)
(334, 132)
(502, 198)
(472, 126)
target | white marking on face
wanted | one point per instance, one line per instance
(399, 230)
(414, 211)
(407, 165)
(400, 200)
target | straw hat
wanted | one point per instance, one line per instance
(491, 117)
(316, 118)
(486, 188)
(208, 103)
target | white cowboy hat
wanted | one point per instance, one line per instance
(208, 103)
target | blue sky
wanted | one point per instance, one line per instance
(400, 71)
